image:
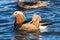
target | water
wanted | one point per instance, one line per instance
(49, 13)
(42, 36)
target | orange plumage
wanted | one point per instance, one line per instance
(19, 17)
(28, 27)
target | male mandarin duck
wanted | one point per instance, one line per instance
(30, 27)
(27, 26)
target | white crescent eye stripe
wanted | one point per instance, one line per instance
(19, 12)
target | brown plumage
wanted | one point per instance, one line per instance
(32, 5)
(19, 17)
(28, 27)
(32, 27)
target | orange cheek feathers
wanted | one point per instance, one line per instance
(19, 19)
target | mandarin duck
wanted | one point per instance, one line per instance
(32, 4)
(33, 26)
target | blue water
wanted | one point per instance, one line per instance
(49, 13)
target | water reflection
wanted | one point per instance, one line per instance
(43, 36)
(27, 36)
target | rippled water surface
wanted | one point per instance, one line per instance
(42, 36)
(49, 13)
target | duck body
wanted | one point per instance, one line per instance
(28, 27)
(35, 26)
(32, 27)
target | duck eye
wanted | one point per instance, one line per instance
(16, 12)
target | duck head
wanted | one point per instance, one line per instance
(19, 17)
